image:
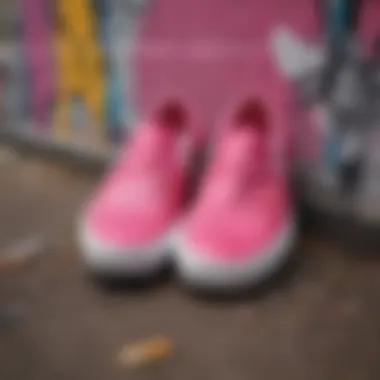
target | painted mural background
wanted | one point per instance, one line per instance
(65, 72)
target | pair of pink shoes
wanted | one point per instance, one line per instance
(238, 229)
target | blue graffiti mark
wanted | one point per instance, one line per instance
(116, 31)
(114, 97)
(333, 150)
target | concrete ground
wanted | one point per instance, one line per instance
(319, 320)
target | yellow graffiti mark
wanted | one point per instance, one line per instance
(79, 65)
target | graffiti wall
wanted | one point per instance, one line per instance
(67, 74)
(80, 70)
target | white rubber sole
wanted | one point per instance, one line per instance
(197, 270)
(111, 260)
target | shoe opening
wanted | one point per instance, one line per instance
(173, 115)
(252, 114)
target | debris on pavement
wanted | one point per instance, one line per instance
(145, 352)
(7, 155)
(19, 254)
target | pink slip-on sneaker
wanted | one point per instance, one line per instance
(126, 225)
(241, 227)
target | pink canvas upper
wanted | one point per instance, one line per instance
(142, 194)
(243, 203)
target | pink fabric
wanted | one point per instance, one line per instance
(142, 194)
(243, 203)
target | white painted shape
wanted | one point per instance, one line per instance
(293, 56)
